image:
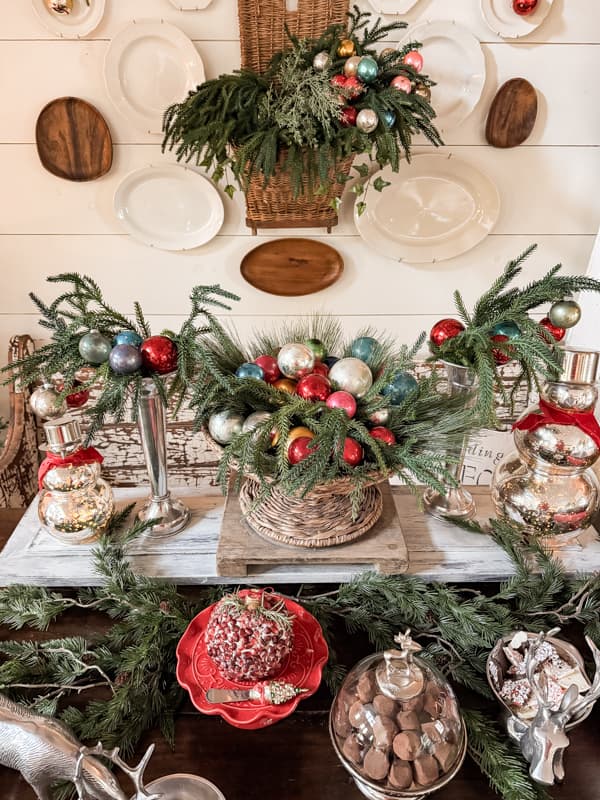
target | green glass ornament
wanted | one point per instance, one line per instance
(565, 313)
(94, 348)
(318, 348)
(367, 69)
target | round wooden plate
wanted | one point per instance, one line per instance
(73, 140)
(292, 267)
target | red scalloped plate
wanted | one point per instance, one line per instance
(196, 671)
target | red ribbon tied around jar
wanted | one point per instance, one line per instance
(87, 455)
(551, 415)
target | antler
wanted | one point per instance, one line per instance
(135, 773)
(593, 692)
(538, 686)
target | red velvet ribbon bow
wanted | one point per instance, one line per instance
(87, 455)
(584, 420)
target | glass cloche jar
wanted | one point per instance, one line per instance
(75, 503)
(396, 726)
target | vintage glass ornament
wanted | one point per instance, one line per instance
(159, 354)
(414, 59)
(285, 385)
(400, 387)
(94, 347)
(500, 356)
(351, 66)
(524, 7)
(297, 432)
(396, 725)
(444, 329)
(224, 426)
(351, 375)
(346, 48)
(338, 81)
(388, 52)
(565, 313)
(248, 370)
(353, 453)
(77, 399)
(367, 120)
(353, 88)
(508, 329)
(125, 359)
(348, 115)
(367, 69)
(557, 333)
(295, 360)
(321, 61)
(318, 348)
(365, 347)
(330, 361)
(423, 91)
(547, 486)
(383, 434)
(75, 503)
(380, 417)
(299, 449)
(320, 369)
(255, 419)
(128, 337)
(389, 118)
(342, 400)
(402, 83)
(45, 404)
(268, 364)
(314, 388)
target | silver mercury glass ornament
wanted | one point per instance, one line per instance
(321, 61)
(45, 404)
(295, 360)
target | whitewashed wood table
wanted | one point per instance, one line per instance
(438, 551)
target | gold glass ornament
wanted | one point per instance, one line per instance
(423, 91)
(285, 385)
(565, 314)
(346, 48)
(296, 433)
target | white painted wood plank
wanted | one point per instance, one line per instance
(369, 281)
(437, 550)
(569, 21)
(544, 190)
(51, 69)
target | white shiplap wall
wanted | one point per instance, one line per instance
(548, 186)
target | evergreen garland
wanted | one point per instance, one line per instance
(534, 350)
(244, 122)
(133, 662)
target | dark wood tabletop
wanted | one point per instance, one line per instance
(292, 760)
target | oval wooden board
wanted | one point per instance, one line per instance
(292, 267)
(512, 114)
(73, 140)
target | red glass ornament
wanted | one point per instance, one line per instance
(77, 399)
(314, 388)
(558, 334)
(348, 116)
(343, 400)
(414, 59)
(446, 328)
(402, 83)
(353, 452)
(300, 449)
(383, 434)
(338, 81)
(500, 356)
(524, 7)
(268, 364)
(320, 368)
(159, 354)
(353, 87)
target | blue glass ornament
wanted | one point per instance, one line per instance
(365, 348)
(124, 359)
(128, 337)
(401, 386)
(330, 361)
(94, 348)
(389, 118)
(367, 69)
(506, 329)
(250, 371)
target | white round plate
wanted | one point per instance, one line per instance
(81, 21)
(169, 206)
(501, 18)
(392, 6)
(184, 787)
(436, 208)
(453, 58)
(148, 67)
(190, 5)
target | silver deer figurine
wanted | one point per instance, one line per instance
(45, 752)
(544, 741)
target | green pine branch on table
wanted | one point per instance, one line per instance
(534, 350)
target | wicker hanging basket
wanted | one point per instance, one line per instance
(263, 33)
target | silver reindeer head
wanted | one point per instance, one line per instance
(544, 740)
(92, 783)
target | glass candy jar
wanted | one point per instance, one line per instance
(547, 485)
(396, 726)
(75, 503)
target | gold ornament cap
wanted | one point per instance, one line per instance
(63, 435)
(398, 676)
(579, 366)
